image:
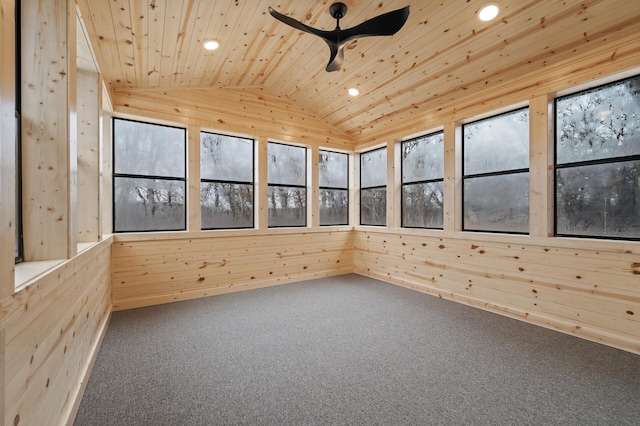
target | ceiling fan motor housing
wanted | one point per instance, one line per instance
(338, 10)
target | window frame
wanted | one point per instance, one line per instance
(19, 234)
(419, 182)
(320, 188)
(115, 175)
(282, 185)
(491, 174)
(576, 164)
(253, 181)
(371, 187)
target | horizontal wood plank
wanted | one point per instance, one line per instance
(167, 270)
(592, 289)
(52, 328)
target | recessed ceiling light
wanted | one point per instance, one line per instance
(211, 44)
(488, 12)
(353, 91)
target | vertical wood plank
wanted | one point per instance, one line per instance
(540, 167)
(88, 156)
(313, 186)
(48, 141)
(452, 203)
(354, 189)
(193, 178)
(261, 207)
(7, 150)
(392, 187)
(2, 372)
(72, 124)
(106, 188)
(7, 168)
(396, 176)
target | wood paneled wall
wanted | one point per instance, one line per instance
(52, 331)
(155, 268)
(254, 112)
(591, 292)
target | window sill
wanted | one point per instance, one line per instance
(26, 272)
(85, 246)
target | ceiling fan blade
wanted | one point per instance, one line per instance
(297, 24)
(382, 25)
(336, 59)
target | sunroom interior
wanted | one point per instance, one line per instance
(495, 164)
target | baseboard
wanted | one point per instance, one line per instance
(78, 391)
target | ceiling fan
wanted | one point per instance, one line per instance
(382, 25)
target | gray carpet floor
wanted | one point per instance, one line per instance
(350, 350)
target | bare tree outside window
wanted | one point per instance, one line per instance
(373, 187)
(148, 177)
(496, 173)
(423, 181)
(334, 188)
(227, 184)
(597, 174)
(287, 185)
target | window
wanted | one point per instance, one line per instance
(496, 173)
(149, 163)
(287, 185)
(226, 186)
(334, 188)
(423, 181)
(597, 167)
(18, 247)
(373, 187)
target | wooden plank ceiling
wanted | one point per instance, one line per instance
(443, 51)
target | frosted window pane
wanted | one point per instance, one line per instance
(226, 205)
(286, 164)
(148, 204)
(423, 158)
(600, 123)
(287, 206)
(497, 144)
(497, 203)
(334, 207)
(334, 169)
(373, 206)
(422, 205)
(226, 158)
(599, 200)
(373, 168)
(148, 149)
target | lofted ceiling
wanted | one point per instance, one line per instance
(444, 52)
